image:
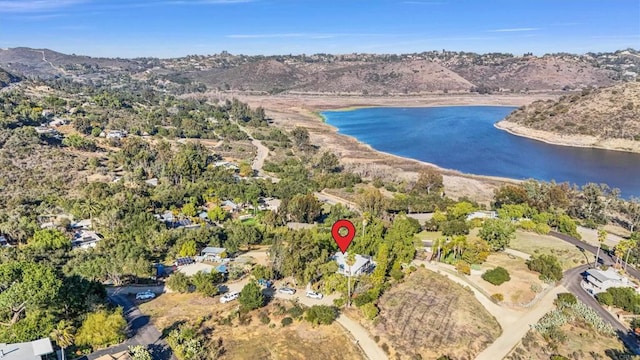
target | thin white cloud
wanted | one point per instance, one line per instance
(304, 35)
(25, 6)
(514, 29)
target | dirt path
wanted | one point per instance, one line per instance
(514, 323)
(513, 332)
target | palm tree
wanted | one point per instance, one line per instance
(351, 259)
(602, 236)
(63, 335)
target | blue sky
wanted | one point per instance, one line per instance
(171, 28)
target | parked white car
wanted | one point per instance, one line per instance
(145, 295)
(314, 295)
(229, 297)
(286, 290)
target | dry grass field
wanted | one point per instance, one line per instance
(518, 290)
(253, 339)
(428, 315)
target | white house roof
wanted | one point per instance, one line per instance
(341, 259)
(603, 276)
(213, 250)
(26, 351)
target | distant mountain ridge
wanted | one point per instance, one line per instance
(434, 71)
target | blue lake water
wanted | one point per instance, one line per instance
(463, 138)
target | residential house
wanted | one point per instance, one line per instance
(115, 134)
(597, 281)
(363, 264)
(82, 224)
(229, 206)
(85, 239)
(33, 350)
(213, 253)
(482, 215)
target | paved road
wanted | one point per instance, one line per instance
(571, 280)
(141, 332)
(606, 258)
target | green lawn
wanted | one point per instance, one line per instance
(533, 244)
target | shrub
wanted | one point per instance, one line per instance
(558, 357)
(264, 318)
(369, 311)
(362, 299)
(497, 297)
(566, 299)
(496, 276)
(542, 229)
(101, 329)
(463, 268)
(321, 314)
(527, 225)
(286, 321)
(547, 265)
(385, 348)
(295, 312)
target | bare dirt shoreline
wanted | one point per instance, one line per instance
(569, 140)
(289, 111)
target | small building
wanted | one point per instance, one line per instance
(116, 134)
(229, 206)
(363, 264)
(213, 253)
(85, 239)
(120, 355)
(33, 350)
(597, 281)
(152, 182)
(482, 215)
(82, 224)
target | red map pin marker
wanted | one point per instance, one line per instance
(343, 241)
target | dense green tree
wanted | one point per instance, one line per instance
(497, 233)
(328, 162)
(139, 352)
(251, 297)
(206, 283)
(547, 265)
(217, 214)
(371, 201)
(50, 239)
(304, 208)
(101, 329)
(188, 248)
(179, 282)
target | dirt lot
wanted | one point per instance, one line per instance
(254, 340)
(516, 291)
(533, 244)
(581, 343)
(428, 315)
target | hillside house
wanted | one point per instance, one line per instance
(33, 350)
(482, 215)
(229, 206)
(82, 224)
(85, 239)
(597, 281)
(213, 253)
(363, 264)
